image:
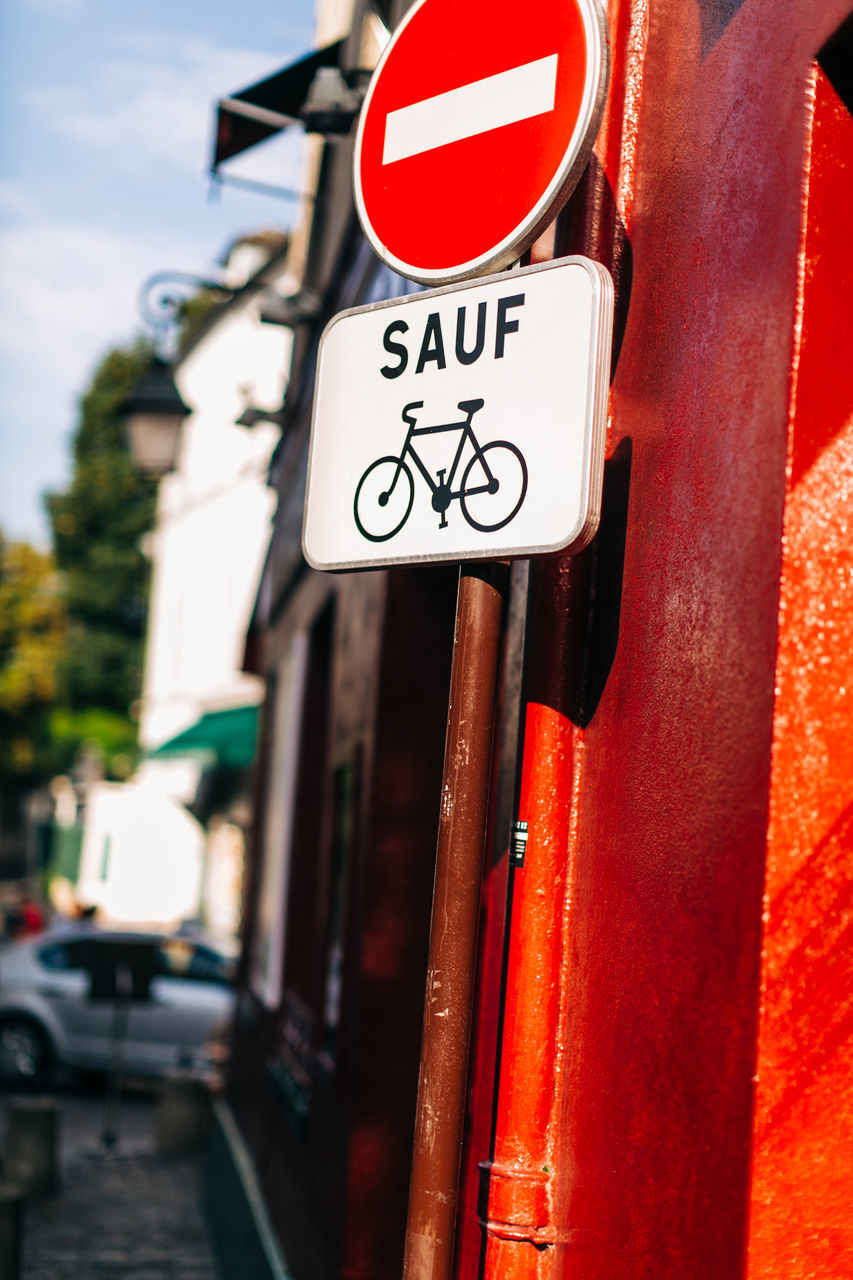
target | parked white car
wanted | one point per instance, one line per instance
(74, 997)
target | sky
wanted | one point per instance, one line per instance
(106, 125)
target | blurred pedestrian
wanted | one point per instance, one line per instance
(25, 919)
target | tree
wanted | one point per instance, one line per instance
(33, 628)
(98, 525)
(72, 624)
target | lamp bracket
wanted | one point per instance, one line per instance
(162, 296)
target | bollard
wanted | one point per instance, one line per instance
(184, 1115)
(31, 1156)
(11, 1213)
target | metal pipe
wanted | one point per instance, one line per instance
(453, 936)
(522, 1238)
(520, 1227)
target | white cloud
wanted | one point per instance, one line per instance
(152, 104)
(70, 287)
(69, 293)
(15, 202)
(66, 286)
(58, 8)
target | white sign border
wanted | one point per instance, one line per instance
(574, 160)
(598, 383)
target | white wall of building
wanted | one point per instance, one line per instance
(213, 526)
(143, 852)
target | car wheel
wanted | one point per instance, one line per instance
(24, 1052)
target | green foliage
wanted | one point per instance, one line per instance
(104, 735)
(98, 524)
(32, 625)
(33, 628)
(72, 625)
(193, 314)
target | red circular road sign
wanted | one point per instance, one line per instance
(476, 126)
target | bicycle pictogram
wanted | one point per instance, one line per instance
(490, 493)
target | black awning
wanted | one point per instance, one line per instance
(257, 113)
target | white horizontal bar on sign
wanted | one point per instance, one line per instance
(479, 107)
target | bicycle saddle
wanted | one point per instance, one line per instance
(471, 406)
(408, 416)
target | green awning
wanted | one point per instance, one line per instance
(225, 738)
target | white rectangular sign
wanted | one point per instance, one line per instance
(464, 423)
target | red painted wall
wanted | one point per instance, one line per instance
(802, 1184)
(656, 670)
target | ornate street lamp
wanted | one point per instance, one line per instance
(154, 412)
(153, 415)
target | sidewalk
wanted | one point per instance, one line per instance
(128, 1215)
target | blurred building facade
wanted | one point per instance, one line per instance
(169, 844)
(659, 1080)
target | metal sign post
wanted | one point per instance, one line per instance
(465, 424)
(121, 974)
(118, 1036)
(453, 936)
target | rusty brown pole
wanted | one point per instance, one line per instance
(453, 934)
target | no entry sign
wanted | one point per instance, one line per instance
(463, 423)
(478, 122)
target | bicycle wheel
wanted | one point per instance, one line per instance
(493, 486)
(383, 499)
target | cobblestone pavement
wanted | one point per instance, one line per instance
(131, 1214)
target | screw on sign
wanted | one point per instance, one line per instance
(474, 130)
